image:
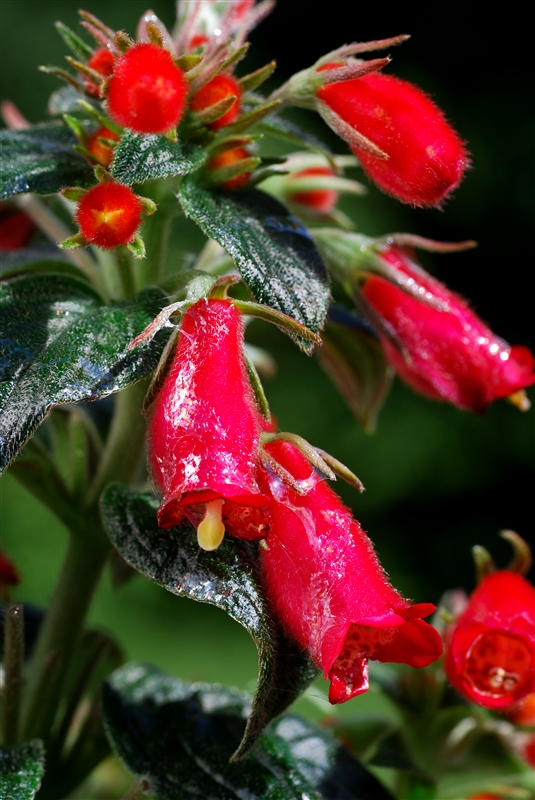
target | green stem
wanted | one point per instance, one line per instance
(156, 231)
(125, 270)
(13, 661)
(120, 461)
(85, 559)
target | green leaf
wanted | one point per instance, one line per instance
(181, 737)
(354, 360)
(21, 770)
(35, 261)
(142, 158)
(225, 578)
(273, 251)
(61, 344)
(41, 160)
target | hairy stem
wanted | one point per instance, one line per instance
(120, 460)
(13, 660)
(79, 576)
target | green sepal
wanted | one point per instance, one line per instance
(137, 247)
(255, 79)
(80, 49)
(73, 242)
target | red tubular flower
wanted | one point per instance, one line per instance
(16, 228)
(147, 91)
(102, 61)
(216, 90)
(449, 354)
(490, 656)
(102, 152)
(9, 576)
(203, 430)
(109, 214)
(426, 158)
(328, 588)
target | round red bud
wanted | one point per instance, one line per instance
(219, 88)
(147, 91)
(109, 215)
(101, 61)
(102, 153)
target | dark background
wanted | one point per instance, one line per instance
(438, 480)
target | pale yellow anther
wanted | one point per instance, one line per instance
(211, 530)
(520, 400)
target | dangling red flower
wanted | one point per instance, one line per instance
(445, 353)
(425, 160)
(490, 656)
(203, 430)
(327, 586)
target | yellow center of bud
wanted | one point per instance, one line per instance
(211, 530)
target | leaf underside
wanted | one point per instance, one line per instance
(182, 735)
(225, 578)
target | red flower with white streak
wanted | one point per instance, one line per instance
(446, 352)
(203, 430)
(490, 656)
(324, 579)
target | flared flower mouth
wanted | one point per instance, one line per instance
(399, 637)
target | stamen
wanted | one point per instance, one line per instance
(520, 400)
(211, 530)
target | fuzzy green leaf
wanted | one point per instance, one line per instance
(41, 160)
(21, 770)
(226, 578)
(61, 344)
(142, 158)
(182, 735)
(273, 251)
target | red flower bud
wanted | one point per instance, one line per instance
(16, 228)
(109, 214)
(102, 61)
(450, 354)
(320, 200)
(328, 588)
(8, 573)
(426, 158)
(225, 159)
(147, 91)
(203, 430)
(490, 657)
(102, 152)
(216, 90)
(523, 712)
